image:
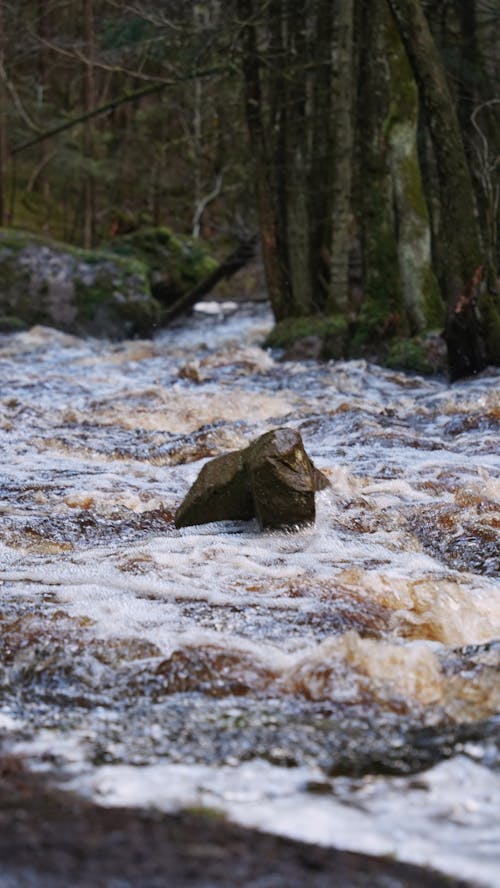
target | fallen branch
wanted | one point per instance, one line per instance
(227, 268)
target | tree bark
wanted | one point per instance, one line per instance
(296, 160)
(89, 103)
(468, 314)
(342, 109)
(382, 313)
(3, 139)
(420, 292)
(254, 108)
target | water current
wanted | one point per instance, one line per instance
(338, 684)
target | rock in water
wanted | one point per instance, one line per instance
(220, 493)
(283, 479)
(272, 479)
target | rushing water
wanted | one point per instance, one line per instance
(339, 684)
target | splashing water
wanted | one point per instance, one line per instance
(298, 681)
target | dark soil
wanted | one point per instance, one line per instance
(53, 839)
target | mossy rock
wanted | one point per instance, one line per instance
(332, 331)
(424, 354)
(175, 264)
(79, 291)
(11, 324)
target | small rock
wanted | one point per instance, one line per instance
(272, 479)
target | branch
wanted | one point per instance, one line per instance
(17, 101)
(204, 202)
(115, 103)
(236, 260)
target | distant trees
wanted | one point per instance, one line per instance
(371, 166)
(158, 157)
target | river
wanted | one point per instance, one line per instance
(339, 684)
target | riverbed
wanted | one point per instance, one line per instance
(338, 684)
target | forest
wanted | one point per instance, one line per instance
(356, 141)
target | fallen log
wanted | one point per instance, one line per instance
(227, 268)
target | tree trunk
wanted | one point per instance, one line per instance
(470, 313)
(342, 108)
(421, 297)
(89, 103)
(296, 160)
(265, 188)
(322, 142)
(382, 313)
(3, 140)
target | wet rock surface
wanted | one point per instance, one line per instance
(52, 839)
(272, 479)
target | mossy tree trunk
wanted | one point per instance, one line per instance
(473, 318)
(468, 37)
(382, 311)
(3, 139)
(424, 307)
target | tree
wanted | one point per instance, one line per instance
(3, 141)
(473, 321)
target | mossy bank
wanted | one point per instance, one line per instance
(79, 291)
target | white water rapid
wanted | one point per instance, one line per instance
(339, 684)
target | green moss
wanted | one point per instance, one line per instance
(403, 84)
(432, 301)
(420, 354)
(82, 291)
(286, 332)
(413, 189)
(11, 324)
(490, 310)
(175, 263)
(207, 812)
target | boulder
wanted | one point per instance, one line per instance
(273, 480)
(90, 292)
(175, 264)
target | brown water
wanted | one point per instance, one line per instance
(298, 681)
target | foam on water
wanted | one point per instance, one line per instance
(388, 606)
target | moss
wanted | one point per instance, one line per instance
(11, 324)
(382, 310)
(286, 332)
(432, 301)
(142, 317)
(175, 264)
(490, 310)
(102, 300)
(405, 94)
(206, 812)
(420, 354)
(413, 189)
(82, 291)
(376, 321)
